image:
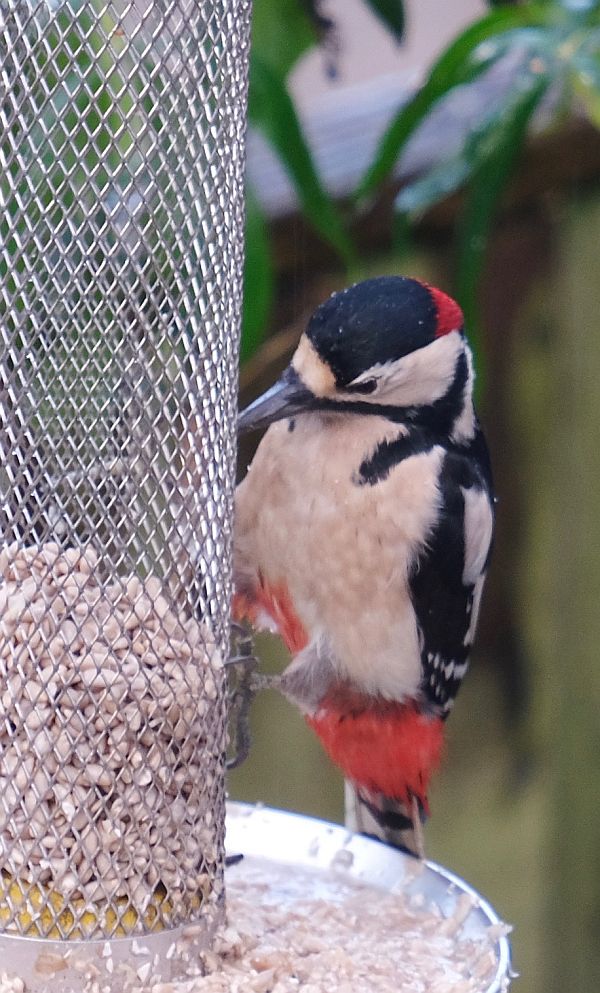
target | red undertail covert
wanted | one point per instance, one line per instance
(383, 746)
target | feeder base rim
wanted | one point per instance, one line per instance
(70, 965)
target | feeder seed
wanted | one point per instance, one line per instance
(87, 688)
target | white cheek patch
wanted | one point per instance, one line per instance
(314, 373)
(421, 377)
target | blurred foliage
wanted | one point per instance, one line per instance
(77, 90)
(391, 12)
(85, 89)
(555, 45)
(555, 48)
(283, 31)
(58, 191)
(92, 125)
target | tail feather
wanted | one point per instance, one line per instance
(388, 820)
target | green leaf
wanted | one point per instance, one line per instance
(451, 174)
(258, 279)
(457, 65)
(270, 108)
(444, 179)
(503, 145)
(282, 31)
(391, 12)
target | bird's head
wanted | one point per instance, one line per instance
(390, 345)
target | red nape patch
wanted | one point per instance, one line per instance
(385, 747)
(273, 600)
(449, 315)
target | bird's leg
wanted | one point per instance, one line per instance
(307, 679)
(260, 681)
(415, 811)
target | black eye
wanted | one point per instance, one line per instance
(367, 386)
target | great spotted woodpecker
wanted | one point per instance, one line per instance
(363, 535)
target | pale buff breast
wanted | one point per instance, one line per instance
(342, 550)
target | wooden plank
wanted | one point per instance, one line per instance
(573, 670)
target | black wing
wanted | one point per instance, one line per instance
(447, 579)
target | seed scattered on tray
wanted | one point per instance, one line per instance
(106, 773)
(285, 932)
(295, 930)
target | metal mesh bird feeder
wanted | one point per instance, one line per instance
(121, 210)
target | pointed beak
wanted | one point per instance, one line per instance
(288, 396)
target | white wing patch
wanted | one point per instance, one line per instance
(477, 591)
(463, 428)
(479, 526)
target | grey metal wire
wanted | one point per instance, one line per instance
(121, 212)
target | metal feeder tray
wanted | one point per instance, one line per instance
(284, 838)
(265, 835)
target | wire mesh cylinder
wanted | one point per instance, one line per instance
(121, 154)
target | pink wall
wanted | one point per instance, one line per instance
(367, 51)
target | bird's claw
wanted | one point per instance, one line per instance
(245, 683)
